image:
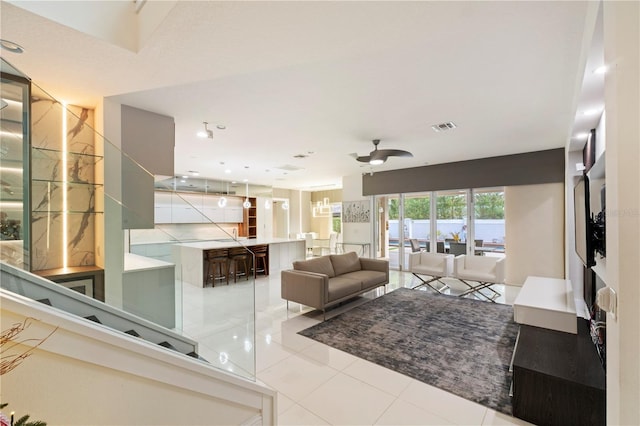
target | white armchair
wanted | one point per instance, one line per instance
(483, 270)
(435, 265)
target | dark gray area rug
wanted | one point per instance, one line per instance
(463, 346)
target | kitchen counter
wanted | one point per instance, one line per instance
(188, 257)
(134, 262)
(228, 243)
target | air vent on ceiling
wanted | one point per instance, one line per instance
(443, 127)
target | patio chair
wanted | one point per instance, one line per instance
(415, 245)
(483, 270)
(435, 265)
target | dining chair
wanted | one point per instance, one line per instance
(478, 243)
(308, 238)
(457, 248)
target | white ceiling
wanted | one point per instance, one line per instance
(325, 78)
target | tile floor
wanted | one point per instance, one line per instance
(316, 384)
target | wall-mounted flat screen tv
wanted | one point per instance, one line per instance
(582, 211)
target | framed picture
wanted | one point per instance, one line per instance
(356, 211)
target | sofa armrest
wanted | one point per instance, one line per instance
(307, 288)
(458, 264)
(380, 265)
(449, 265)
(369, 264)
(414, 260)
(500, 270)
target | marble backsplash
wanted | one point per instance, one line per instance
(182, 232)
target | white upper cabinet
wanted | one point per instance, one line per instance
(196, 208)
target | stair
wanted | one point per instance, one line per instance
(49, 293)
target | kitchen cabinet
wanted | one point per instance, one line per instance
(173, 207)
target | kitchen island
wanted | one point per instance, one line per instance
(189, 257)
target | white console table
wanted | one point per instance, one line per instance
(547, 303)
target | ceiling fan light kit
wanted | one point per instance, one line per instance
(379, 156)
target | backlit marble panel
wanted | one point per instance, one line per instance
(48, 189)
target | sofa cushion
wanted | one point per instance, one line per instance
(340, 287)
(319, 265)
(345, 263)
(369, 279)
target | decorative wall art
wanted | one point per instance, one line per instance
(356, 211)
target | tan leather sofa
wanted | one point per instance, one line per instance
(325, 281)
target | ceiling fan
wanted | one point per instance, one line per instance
(379, 156)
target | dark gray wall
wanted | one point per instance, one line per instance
(149, 139)
(518, 169)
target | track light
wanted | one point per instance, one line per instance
(206, 133)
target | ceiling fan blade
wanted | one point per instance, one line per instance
(394, 153)
(364, 158)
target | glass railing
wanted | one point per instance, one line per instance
(87, 207)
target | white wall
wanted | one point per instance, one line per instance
(534, 222)
(622, 103)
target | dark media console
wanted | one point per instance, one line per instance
(558, 378)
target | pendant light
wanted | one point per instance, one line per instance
(222, 201)
(246, 203)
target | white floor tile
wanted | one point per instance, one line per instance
(344, 400)
(495, 418)
(296, 377)
(327, 355)
(298, 416)
(292, 340)
(380, 377)
(284, 403)
(269, 353)
(316, 384)
(443, 404)
(403, 413)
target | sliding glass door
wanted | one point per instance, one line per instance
(451, 221)
(488, 222)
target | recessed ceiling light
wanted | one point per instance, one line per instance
(228, 171)
(601, 70)
(221, 127)
(11, 46)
